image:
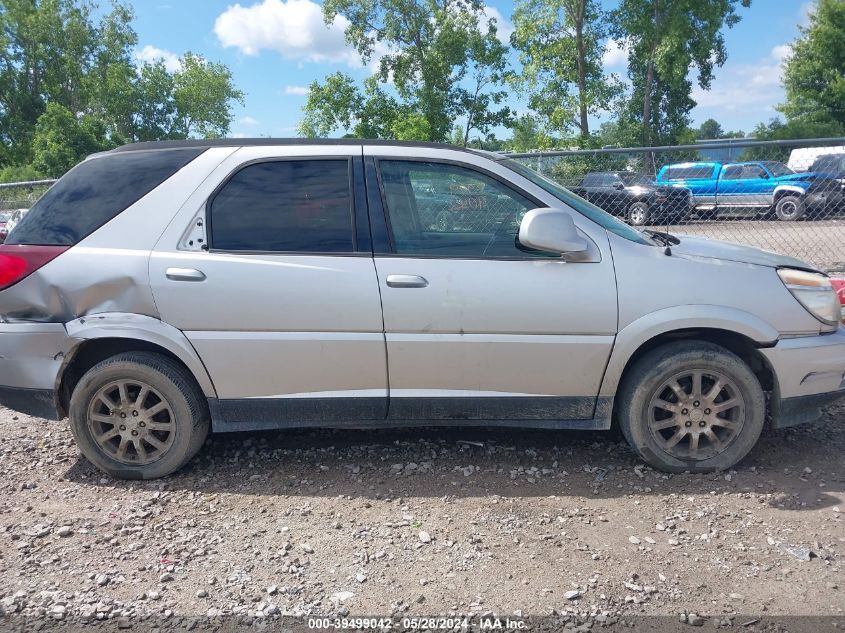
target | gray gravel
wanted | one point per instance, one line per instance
(422, 522)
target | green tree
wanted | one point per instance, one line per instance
(65, 53)
(440, 56)
(711, 128)
(814, 74)
(668, 39)
(339, 104)
(528, 135)
(61, 140)
(560, 44)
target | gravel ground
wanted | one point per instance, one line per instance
(423, 522)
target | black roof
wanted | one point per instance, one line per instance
(248, 142)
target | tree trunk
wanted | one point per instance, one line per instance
(582, 82)
(649, 77)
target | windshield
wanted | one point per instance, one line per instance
(587, 209)
(631, 178)
(777, 169)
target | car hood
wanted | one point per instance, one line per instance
(718, 249)
(802, 176)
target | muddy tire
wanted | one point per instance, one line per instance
(138, 415)
(691, 406)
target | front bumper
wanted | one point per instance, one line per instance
(31, 357)
(809, 372)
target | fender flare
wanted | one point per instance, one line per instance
(634, 335)
(140, 328)
(781, 189)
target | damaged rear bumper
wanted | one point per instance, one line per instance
(31, 357)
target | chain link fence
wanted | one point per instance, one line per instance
(15, 199)
(783, 196)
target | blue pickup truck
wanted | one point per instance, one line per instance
(754, 188)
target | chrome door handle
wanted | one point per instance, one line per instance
(185, 274)
(406, 281)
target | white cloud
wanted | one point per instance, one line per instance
(615, 55)
(248, 120)
(504, 28)
(298, 91)
(747, 85)
(806, 9)
(781, 52)
(151, 54)
(295, 29)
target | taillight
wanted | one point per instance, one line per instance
(20, 261)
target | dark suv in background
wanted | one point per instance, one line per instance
(635, 197)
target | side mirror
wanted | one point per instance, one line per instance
(551, 230)
(619, 185)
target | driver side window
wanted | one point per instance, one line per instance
(452, 211)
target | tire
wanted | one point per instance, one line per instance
(173, 405)
(638, 214)
(789, 208)
(737, 429)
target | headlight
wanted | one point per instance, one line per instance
(814, 292)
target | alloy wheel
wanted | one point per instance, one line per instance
(696, 414)
(131, 422)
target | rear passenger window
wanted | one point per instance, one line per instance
(94, 192)
(302, 206)
(688, 173)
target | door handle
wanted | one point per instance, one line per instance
(406, 281)
(185, 274)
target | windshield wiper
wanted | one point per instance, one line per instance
(667, 239)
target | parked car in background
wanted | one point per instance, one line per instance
(830, 166)
(801, 158)
(838, 283)
(754, 187)
(14, 217)
(4, 219)
(635, 197)
(162, 290)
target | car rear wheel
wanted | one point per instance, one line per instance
(638, 214)
(691, 406)
(789, 208)
(138, 415)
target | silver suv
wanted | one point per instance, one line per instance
(162, 290)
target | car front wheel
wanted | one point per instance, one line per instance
(638, 214)
(789, 208)
(138, 415)
(691, 406)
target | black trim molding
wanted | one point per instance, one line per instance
(259, 414)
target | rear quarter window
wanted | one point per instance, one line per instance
(94, 192)
(688, 173)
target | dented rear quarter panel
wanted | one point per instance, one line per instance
(108, 271)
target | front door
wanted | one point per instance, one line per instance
(283, 308)
(477, 327)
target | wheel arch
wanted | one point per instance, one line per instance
(737, 331)
(787, 190)
(98, 337)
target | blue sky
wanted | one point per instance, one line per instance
(275, 48)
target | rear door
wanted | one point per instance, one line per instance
(268, 270)
(477, 327)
